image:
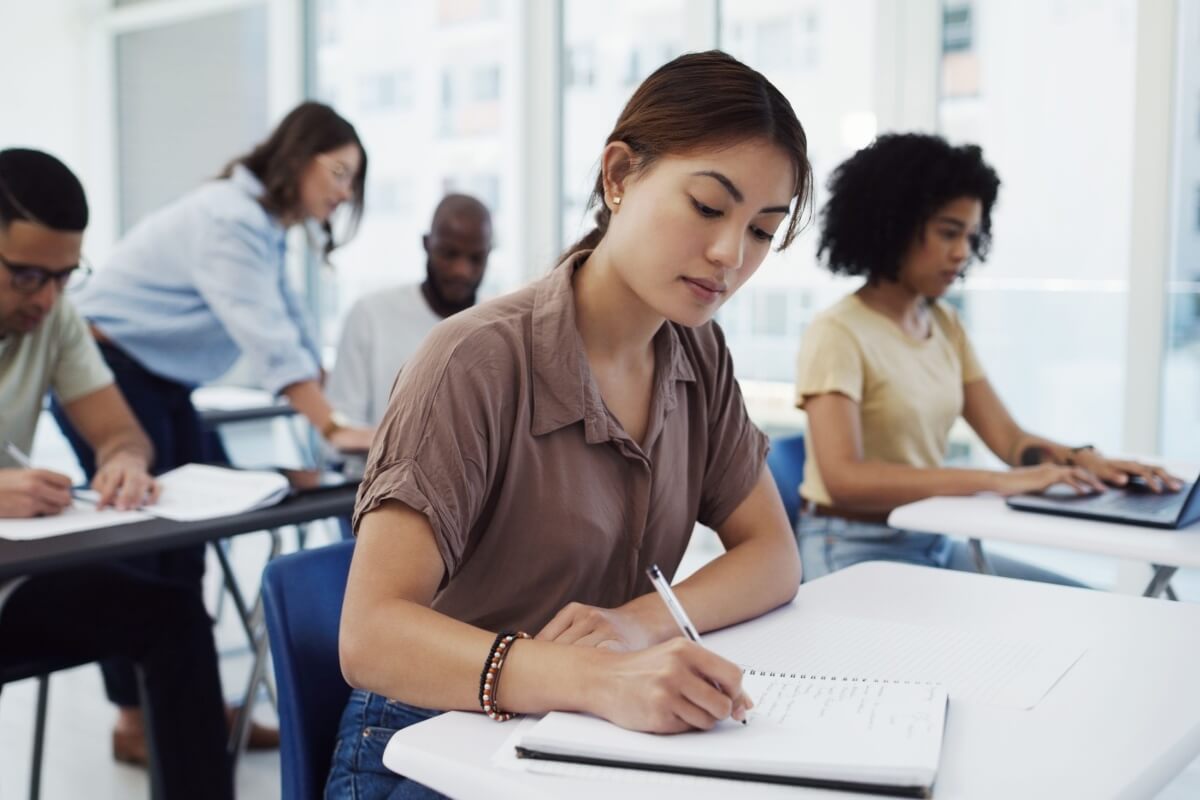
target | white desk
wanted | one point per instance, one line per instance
(1121, 723)
(985, 517)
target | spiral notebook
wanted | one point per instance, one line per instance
(855, 734)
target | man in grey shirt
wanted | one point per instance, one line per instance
(384, 329)
(98, 611)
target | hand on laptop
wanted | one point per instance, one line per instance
(1022, 480)
(1118, 472)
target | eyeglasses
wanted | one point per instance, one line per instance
(28, 279)
(342, 175)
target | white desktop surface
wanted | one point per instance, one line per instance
(1121, 723)
(986, 517)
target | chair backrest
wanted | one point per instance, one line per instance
(302, 602)
(786, 462)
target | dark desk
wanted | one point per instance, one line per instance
(215, 417)
(227, 405)
(122, 541)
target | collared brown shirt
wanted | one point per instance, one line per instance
(497, 433)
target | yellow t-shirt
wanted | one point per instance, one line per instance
(908, 392)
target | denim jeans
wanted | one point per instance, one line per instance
(828, 544)
(358, 772)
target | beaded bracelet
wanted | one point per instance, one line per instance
(489, 679)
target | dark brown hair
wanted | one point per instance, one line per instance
(699, 101)
(308, 130)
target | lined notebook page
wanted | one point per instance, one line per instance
(973, 667)
(856, 731)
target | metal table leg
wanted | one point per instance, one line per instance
(1161, 582)
(982, 565)
(255, 629)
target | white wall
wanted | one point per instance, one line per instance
(42, 61)
(54, 95)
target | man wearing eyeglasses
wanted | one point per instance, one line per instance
(45, 345)
(101, 611)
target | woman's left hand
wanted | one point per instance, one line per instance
(1117, 472)
(123, 483)
(591, 626)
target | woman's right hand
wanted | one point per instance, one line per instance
(668, 688)
(352, 440)
(1022, 480)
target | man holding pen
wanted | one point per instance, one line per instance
(104, 611)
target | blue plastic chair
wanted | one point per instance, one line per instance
(302, 601)
(786, 462)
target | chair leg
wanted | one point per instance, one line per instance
(39, 737)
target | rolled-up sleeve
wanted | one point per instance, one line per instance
(737, 449)
(439, 446)
(239, 278)
(80, 369)
(829, 362)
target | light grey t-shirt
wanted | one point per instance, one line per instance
(382, 331)
(59, 355)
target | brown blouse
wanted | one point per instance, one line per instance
(497, 433)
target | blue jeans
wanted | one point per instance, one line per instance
(828, 544)
(358, 772)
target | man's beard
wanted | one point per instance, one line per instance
(443, 305)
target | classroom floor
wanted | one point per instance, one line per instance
(78, 760)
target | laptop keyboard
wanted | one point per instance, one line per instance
(1140, 502)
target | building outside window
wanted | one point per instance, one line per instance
(1181, 367)
(1047, 311)
(431, 87)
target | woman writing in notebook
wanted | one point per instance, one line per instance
(885, 372)
(543, 449)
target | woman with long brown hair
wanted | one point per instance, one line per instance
(543, 449)
(197, 284)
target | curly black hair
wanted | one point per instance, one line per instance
(881, 198)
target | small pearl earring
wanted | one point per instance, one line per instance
(616, 201)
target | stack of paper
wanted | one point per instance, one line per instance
(191, 492)
(199, 491)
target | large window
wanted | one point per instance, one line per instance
(822, 55)
(1181, 377)
(607, 49)
(1047, 90)
(431, 88)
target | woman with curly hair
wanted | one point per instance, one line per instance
(885, 372)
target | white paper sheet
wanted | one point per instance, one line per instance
(199, 491)
(191, 492)
(81, 516)
(974, 668)
(232, 398)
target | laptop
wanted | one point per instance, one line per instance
(1135, 505)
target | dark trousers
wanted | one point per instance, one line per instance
(165, 411)
(111, 611)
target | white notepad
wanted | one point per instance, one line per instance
(200, 491)
(867, 735)
(191, 492)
